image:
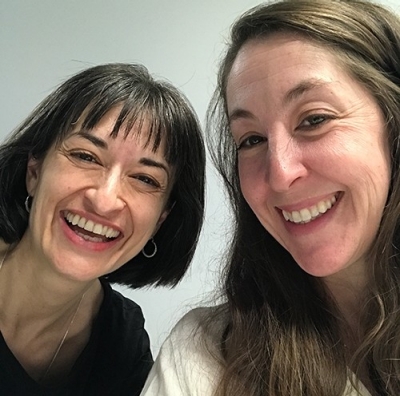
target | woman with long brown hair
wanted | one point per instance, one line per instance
(305, 128)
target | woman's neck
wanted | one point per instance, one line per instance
(39, 312)
(34, 290)
(347, 289)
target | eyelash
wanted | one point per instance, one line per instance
(147, 180)
(84, 156)
(247, 143)
(321, 119)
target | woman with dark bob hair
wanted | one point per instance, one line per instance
(102, 183)
(305, 127)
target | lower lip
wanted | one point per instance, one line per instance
(312, 226)
(83, 243)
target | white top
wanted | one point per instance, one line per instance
(185, 365)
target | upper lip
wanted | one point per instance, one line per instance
(307, 203)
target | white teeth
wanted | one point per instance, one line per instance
(296, 217)
(81, 223)
(110, 232)
(314, 211)
(98, 229)
(308, 214)
(305, 214)
(322, 207)
(90, 226)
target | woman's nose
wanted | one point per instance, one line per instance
(285, 164)
(105, 196)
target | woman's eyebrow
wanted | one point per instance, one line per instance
(92, 138)
(157, 164)
(303, 87)
(237, 114)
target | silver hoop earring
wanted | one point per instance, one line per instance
(27, 206)
(153, 253)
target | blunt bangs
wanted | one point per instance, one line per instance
(155, 108)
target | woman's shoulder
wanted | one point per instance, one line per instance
(119, 346)
(189, 359)
(118, 308)
(202, 327)
(354, 387)
(194, 319)
(120, 324)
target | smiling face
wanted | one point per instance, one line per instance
(97, 199)
(313, 156)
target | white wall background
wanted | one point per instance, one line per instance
(43, 42)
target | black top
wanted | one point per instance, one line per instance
(115, 361)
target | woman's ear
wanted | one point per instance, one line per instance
(161, 220)
(32, 175)
(163, 216)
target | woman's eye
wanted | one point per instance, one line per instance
(314, 120)
(251, 141)
(81, 155)
(147, 180)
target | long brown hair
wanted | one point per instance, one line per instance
(283, 333)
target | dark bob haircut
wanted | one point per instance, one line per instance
(88, 96)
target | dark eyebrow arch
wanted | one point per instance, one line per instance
(303, 87)
(94, 139)
(150, 162)
(240, 113)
